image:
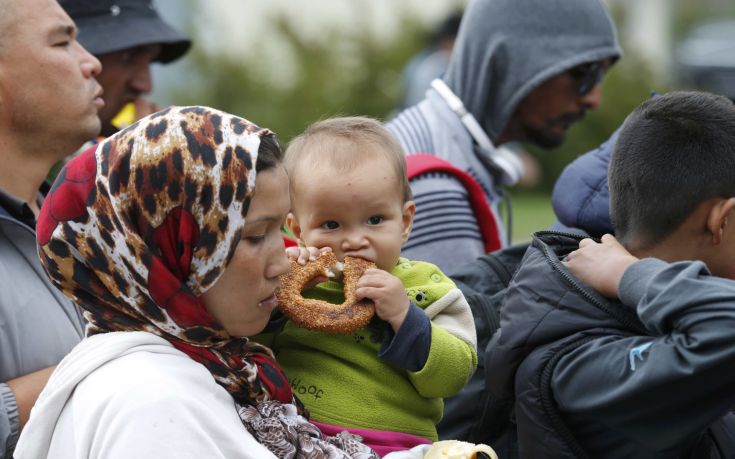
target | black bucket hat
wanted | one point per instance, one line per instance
(106, 26)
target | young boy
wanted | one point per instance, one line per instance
(349, 192)
(652, 377)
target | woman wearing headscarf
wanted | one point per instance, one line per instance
(165, 239)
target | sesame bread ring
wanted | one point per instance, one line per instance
(320, 315)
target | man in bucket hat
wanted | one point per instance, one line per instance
(126, 36)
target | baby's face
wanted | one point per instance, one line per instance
(359, 213)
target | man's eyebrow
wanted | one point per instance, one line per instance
(64, 29)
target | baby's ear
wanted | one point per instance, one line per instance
(293, 225)
(408, 211)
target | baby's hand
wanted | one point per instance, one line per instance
(388, 294)
(304, 254)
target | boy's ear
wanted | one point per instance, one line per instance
(293, 225)
(409, 209)
(717, 219)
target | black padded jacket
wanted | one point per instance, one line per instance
(594, 378)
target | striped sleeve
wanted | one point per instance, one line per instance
(445, 230)
(410, 129)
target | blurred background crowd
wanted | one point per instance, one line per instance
(371, 57)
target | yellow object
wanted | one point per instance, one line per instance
(125, 117)
(453, 449)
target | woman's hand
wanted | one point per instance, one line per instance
(601, 266)
(388, 294)
(304, 254)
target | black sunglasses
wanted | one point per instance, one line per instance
(587, 76)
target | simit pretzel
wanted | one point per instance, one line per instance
(320, 315)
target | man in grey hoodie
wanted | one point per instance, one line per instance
(520, 71)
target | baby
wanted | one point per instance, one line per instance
(350, 194)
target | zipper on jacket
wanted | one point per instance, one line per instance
(551, 257)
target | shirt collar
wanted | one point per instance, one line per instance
(19, 209)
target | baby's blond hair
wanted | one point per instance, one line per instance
(343, 142)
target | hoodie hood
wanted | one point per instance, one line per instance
(513, 46)
(544, 304)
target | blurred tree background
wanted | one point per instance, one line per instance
(354, 71)
(337, 73)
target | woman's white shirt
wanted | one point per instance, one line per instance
(132, 394)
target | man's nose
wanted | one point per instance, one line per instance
(592, 99)
(91, 66)
(140, 80)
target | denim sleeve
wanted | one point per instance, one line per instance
(409, 347)
(9, 422)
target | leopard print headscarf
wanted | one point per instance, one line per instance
(135, 229)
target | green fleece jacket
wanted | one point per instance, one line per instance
(343, 382)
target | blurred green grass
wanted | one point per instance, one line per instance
(531, 212)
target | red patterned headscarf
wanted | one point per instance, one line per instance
(137, 227)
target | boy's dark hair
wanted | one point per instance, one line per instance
(674, 152)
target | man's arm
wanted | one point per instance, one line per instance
(26, 390)
(17, 397)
